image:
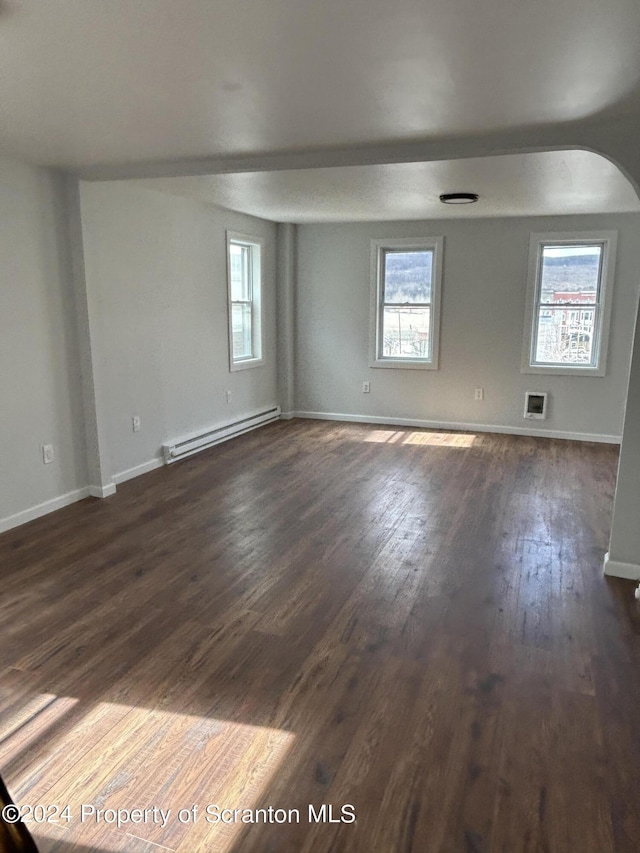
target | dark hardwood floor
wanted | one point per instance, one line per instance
(409, 622)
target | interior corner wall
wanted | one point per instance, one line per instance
(40, 387)
(155, 267)
(482, 327)
(623, 558)
(286, 297)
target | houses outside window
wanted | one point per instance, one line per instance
(568, 303)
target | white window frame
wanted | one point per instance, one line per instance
(256, 246)
(602, 308)
(414, 244)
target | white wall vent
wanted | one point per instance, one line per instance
(535, 405)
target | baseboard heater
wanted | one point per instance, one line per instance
(188, 445)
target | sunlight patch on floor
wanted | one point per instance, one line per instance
(432, 439)
(136, 778)
(20, 718)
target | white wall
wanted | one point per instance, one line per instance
(157, 291)
(156, 294)
(40, 394)
(623, 558)
(483, 300)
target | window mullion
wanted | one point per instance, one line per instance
(406, 304)
(568, 305)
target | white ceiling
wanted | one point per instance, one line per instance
(127, 84)
(111, 81)
(552, 182)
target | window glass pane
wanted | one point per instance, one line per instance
(239, 259)
(407, 276)
(241, 328)
(406, 333)
(570, 274)
(565, 336)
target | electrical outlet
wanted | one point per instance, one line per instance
(479, 394)
(366, 387)
(228, 396)
(47, 453)
(135, 423)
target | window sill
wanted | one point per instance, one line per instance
(246, 364)
(551, 370)
(404, 364)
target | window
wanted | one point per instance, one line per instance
(568, 303)
(244, 273)
(405, 302)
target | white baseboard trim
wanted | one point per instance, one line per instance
(137, 470)
(615, 569)
(451, 425)
(43, 509)
(286, 416)
(102, 491)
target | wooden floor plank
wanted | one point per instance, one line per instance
(411, 622)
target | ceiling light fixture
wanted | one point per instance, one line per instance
(458, 198)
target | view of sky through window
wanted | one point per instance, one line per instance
(568, 297)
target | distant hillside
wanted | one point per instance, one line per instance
(408, 276)
(576, 273)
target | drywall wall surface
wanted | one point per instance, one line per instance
(624, 546)
(482, 326)
(40, 390)
(286, 294)
(99, 483)
(155, 267)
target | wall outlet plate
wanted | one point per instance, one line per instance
(366, 387)
(47, 453)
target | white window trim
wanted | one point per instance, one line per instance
(256, 302)
(609, 241)
(436, 244)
